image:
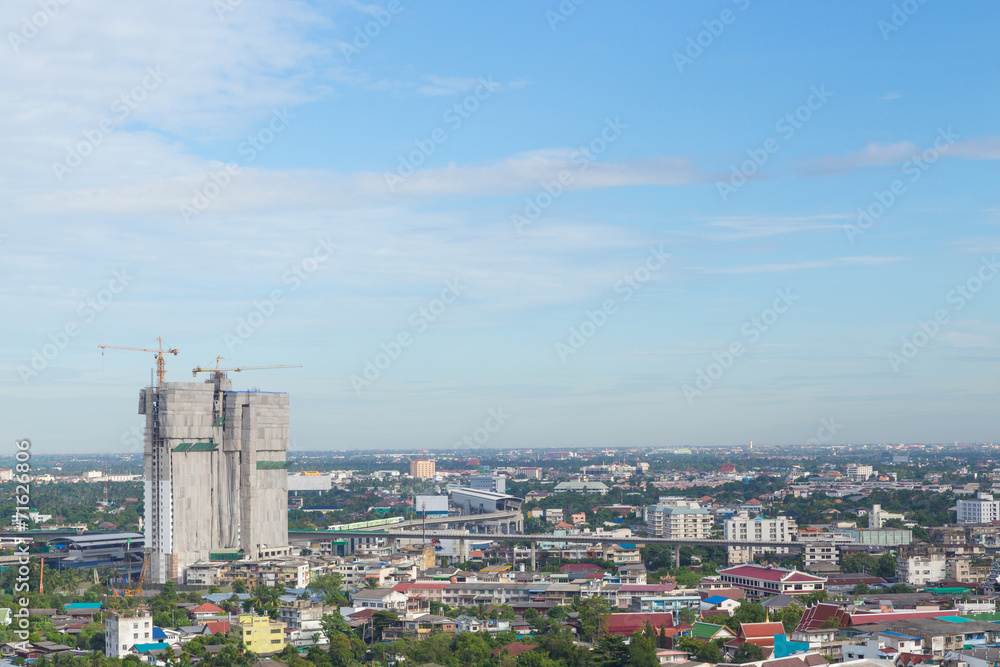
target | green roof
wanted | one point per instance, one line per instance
(957, 590)
(203, 447)
(705, 630)
(183, 447)
(272, 465)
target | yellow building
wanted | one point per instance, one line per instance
(259, 633)
(421, 468)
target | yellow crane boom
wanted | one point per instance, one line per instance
(161, 366)
(217, 371)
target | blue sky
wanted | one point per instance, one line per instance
(235, 159)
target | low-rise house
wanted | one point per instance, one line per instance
(709, 632)
(380, 598)
(717, 603)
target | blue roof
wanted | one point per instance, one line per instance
(158, 633)
(84, 605)
(954, 619)
(898, 634)
(715, 599)
(145, 648)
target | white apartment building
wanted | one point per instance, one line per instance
(981, 509)
(303, 619)
(757, 529)
(122, 632)
(820, 553)
(921, 569)
(674, 522)
(859, 473)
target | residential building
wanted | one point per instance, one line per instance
(381, 598)
(921, 564)
(122, 631)
(529, 473)
(422, 468)
(719, 603)
(554, 515)
(759, 581)
(303, 619)
(886, 645)
(673, 522)
(743, 527)
(820, 554)
(259, 633)
(981, 509)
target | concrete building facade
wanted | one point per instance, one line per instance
(215, 472)
(672, 522)
(981, 509)
(743, 527)
(422, 468)
(123, 631)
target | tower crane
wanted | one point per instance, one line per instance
(161, 367)
(217, 371)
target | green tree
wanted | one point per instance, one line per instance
(331, 586)
(470, 648)
(380, 621)
(642, 649)
(748, 653)
(860, 589)
(333, 625)
(612, 651)
(708, 652)
(593, 611)
(747, 612)
(789, 617)
(885, 566)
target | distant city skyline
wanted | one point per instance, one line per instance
(515, 226)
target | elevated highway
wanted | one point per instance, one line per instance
(532, 540)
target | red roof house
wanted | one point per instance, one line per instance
(627, 624)
(761, 634)
(207, 610)
(514, 648)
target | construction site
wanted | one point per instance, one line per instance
(215, 473)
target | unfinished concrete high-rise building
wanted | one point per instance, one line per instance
(215, 473)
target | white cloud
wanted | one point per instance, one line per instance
(872, 155)
(783, 267)
(737, 228)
